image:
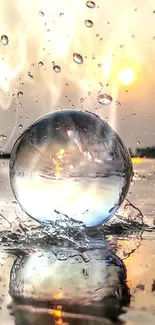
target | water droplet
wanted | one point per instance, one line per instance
(73, 106)
(134, 115)
(89, 23)
(20, 126)
(56, 68)
(2, 137)
(4, 40)
(77, 58)
(14, 202)
(73, 173)
(90, 4)
(41, 13)
(99, 65)
(117, 102)
(153, 11)
(40, 63)
(30, 75)
(61, 14)
(138, 143)
(19, 94)
(81, 100)
(104, 99)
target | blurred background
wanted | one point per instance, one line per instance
(97, 56)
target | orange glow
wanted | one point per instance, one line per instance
(58, 296)
(126, 76)
(55, 312)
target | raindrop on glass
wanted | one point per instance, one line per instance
(20, 126)
(77, 58)
(56, 68)
(89, 23)
(117, 102)
(40, 63)
(4, 40)
(2, 137)
(61, 14)
(104, 99)
(41, 13)
(81, 100)
(70, 163)
(19, 94)
(134, 115)
(30, 75)
(90, 4)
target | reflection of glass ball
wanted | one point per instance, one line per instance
(70, 163)
(91, 282)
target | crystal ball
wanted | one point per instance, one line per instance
(70, 163)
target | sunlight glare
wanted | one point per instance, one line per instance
(126, 76)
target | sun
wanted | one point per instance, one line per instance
(126, 76)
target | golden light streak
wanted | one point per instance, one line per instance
(57, 163)
(60, 153)
(107, 66)
(137, 160)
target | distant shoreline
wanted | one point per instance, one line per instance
(138, 155)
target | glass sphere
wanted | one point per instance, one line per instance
(70, 163)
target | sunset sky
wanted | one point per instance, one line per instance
(121, 36)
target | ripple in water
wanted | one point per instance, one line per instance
(70, 163)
